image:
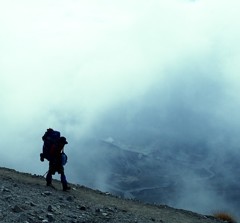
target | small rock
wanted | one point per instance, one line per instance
(61, 198)
(17, 209)
(98, 210)
(50, 208)
(110, 209)
(5, 189)
(50, 217)
(41, 218)
(33, 204)
(70, 198)
(83, 208)
(47, 193)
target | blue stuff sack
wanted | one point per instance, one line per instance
(64, 159)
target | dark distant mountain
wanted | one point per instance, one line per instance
(161, 177)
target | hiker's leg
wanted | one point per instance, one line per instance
(64, 183)
(64, 180)
(49, 174)
(49, 178)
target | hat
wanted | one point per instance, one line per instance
(63, 140)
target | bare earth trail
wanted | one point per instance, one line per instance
(25, 198)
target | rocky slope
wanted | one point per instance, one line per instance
(25, 198)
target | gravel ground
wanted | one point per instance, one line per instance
(25, 198)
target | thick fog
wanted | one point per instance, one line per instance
(160, 78)
(186, 120)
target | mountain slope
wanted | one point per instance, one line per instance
(25, 198)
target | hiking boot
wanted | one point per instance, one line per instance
(66, 188)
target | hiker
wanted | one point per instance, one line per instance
(56, 156)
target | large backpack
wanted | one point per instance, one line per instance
(50, 139)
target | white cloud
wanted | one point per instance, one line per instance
(62, 59)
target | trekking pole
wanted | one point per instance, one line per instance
(45, 174)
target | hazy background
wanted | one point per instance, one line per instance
(151, 74)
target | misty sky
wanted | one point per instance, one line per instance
(64, 64)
